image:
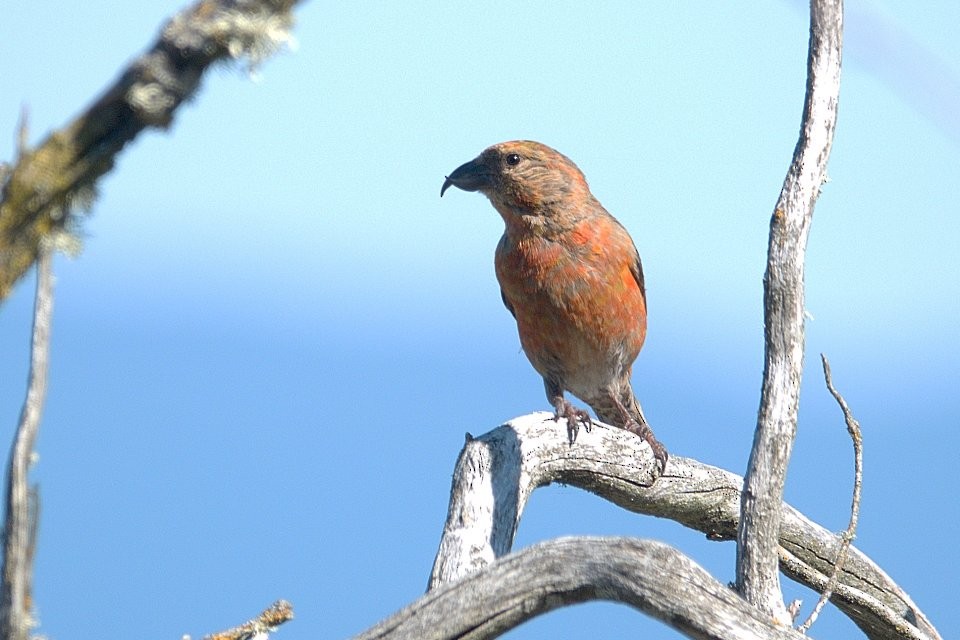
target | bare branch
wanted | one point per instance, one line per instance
(279, 612)
(498, 471)
(22, 503)
(46, 183)
(757, 577)
(853, 428)
(904, 625)
(564, 571)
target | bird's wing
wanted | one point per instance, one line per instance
(514, 313)
(637, 270)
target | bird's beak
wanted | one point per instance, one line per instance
(472, 176)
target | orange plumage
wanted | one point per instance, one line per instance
(571, 276)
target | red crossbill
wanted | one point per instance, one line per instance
(571, 276)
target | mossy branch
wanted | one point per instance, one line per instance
(46, 184)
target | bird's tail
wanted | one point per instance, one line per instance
(609, 411)
(624, 411)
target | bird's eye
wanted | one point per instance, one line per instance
(513, 159)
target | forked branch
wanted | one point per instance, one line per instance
(498, 471)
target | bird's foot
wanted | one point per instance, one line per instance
(575, 417)
(646, 434)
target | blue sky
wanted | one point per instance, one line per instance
(267, 356)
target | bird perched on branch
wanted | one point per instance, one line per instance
(571, 276)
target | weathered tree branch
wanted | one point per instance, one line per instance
(258, 628)
(20, 522)
(497, 472)
(565, 571)
(39, 191)
(45, 184)
(757, 577)
(853, 428)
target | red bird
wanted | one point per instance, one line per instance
(571, 276)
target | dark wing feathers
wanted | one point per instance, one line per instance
(514, 314)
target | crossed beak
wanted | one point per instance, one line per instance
(471, 176)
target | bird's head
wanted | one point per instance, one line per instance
(521, 177)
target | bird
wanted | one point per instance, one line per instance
(571, 276)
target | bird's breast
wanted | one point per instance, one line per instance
(576, 302)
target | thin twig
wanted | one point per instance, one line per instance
(853, 428)
(22, 501)
(23, 132)
(279, 612)
(888, 623)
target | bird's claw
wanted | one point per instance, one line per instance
(659, 451)
(575, 417)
